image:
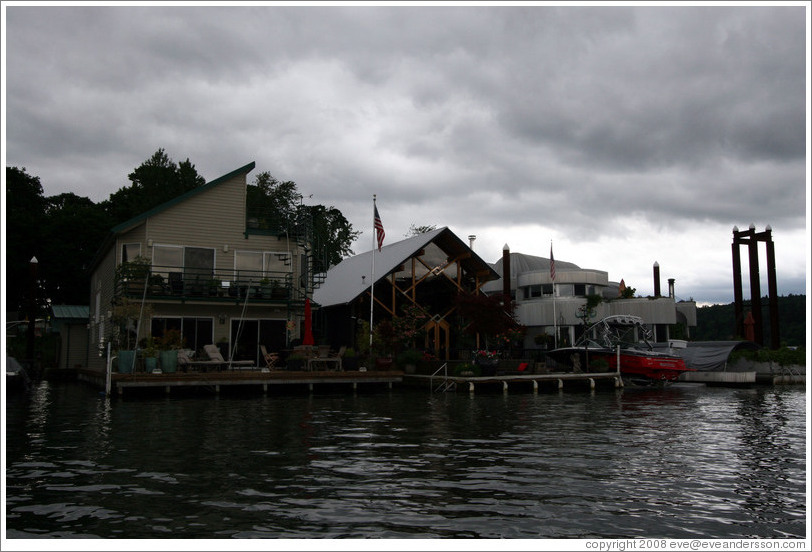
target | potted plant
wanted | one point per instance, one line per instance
(150, 354)
(408, 359)
(131, 276)
(265, 288)
(466, 370)
(349, 361)
(156, 285)
(125, 317)
(215, 287)
(486, 361)
(169, 344)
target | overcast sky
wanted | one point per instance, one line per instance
(624, 135)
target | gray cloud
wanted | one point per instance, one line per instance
(570, 121)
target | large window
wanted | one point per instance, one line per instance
(248, 334)
(166, 259)
(196, 332)
(257, 265)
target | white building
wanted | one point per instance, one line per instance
(544, 308)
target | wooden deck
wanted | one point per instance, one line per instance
(215, 381)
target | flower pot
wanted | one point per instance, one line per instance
(150, 364)
(169, 361)
(126, 362)
(383, 363)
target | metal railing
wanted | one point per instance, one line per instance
(445, 384)
(186, 283)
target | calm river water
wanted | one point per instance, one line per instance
(684, 462)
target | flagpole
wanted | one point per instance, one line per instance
(372, 287)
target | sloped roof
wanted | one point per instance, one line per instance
(139, 219)
(77, 312)
(353, 276)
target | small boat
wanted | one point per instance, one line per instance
(17, 378)
(623, 340)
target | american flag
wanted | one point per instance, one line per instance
(379, 228)
(552, 264)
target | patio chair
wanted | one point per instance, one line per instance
(270, 358)
(214, 354)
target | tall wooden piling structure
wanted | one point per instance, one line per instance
(751, 238)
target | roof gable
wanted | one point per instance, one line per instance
(109, 240)
(135, 221)
(353, 276)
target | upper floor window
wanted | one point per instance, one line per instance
(257, 263)
(168, 259)
(130, 251)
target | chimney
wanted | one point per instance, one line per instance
(671, 288)
(656, 279)
(471, 239)
(506, 273)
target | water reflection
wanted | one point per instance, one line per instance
(678, 463)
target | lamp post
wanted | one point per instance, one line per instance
(32, 310)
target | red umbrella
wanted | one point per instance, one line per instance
(308, 325)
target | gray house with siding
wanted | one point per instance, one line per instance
(200, 265)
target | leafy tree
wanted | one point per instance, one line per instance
(487, 315)
(155, 181)
(277, 206)
(25, 209)
(73, 228)
(273, 203)
(332, 237)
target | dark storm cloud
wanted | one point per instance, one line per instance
(573, 121)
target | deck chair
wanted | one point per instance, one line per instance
(214, 354)
(270, 358)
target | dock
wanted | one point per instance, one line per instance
(244, 379)
(506, 382)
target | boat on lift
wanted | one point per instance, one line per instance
(622, 340)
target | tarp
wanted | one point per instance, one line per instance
(709, 356)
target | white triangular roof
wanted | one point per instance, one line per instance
(353, 276)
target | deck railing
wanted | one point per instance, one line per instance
(187, 283)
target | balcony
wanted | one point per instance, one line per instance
(182, 284)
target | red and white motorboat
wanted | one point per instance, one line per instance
(624, 340)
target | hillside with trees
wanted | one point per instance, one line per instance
(717, 322)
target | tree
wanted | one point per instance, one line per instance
(332, 237)
(415, 230)
(277, 206)
(155, 181)
(25, 210)
(487, 315)
(73, 228)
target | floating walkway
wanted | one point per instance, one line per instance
(517, 382)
